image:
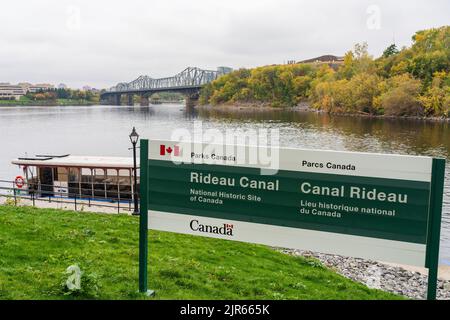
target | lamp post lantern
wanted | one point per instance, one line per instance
(134, 137)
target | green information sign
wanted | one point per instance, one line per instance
(373, 206)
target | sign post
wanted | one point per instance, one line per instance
(434, 225)
(371, 206)
(143, 221)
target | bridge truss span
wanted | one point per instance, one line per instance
(189, 77)
(188, 82)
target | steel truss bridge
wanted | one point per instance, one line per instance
(188, 82)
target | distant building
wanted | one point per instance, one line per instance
(333, 61)
(89, 88)
(324, 58)
(8, 91)
(224, 70)
(25, 85)
(62, 86)
(15, 91)
(41, 87)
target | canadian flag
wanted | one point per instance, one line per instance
(163, 150)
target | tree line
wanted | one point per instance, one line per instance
(411, 81)
(63, 93)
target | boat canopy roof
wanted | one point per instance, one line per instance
(77, 161)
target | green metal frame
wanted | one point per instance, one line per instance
(434, 225)
(143, 221)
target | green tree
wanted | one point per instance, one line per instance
(390, 51)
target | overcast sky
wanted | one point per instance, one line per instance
(100, 43)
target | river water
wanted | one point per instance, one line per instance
(104, 130)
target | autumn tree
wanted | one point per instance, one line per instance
(402, 98)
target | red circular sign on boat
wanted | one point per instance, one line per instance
(19, 181)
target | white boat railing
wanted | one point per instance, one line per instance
(121, 200)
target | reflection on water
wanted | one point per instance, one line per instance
(369, 134)
(103, 130)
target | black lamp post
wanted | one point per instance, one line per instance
(134, 137)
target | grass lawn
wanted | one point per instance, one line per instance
(37, 245)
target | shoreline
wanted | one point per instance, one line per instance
(409, 281)
(84, 104)
(305, 107)
(47, 104)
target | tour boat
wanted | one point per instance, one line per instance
(77, 176)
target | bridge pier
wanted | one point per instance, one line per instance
(144, 101)
(191, 99)
(108, 100)
(130, 101)
(116, 99)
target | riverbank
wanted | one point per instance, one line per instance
(397, 84)
(404, 280)
(253, 107)
(58, 102)
(305, 107)
(39, 244)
